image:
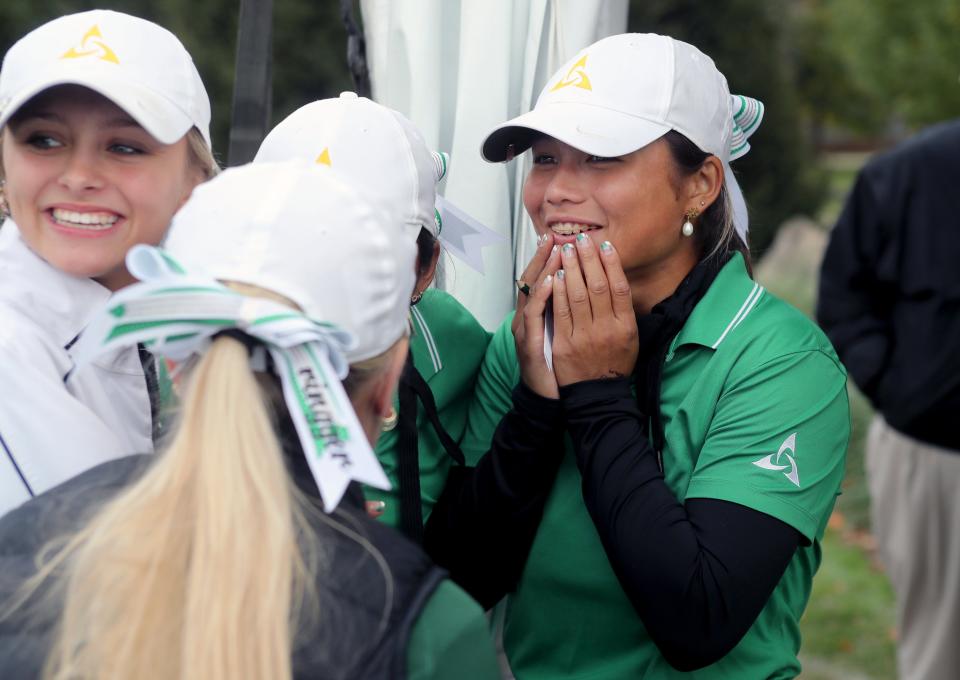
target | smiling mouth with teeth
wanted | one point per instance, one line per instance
(90, 221)
(571, 228)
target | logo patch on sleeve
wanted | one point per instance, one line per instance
(783, 461)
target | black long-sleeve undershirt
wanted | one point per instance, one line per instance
(483, 525)
(697, 573)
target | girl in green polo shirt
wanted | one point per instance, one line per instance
(380, 152)
(676, 529)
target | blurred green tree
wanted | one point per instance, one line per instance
(906, 55)
(831, 91)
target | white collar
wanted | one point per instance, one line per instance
(58, 303)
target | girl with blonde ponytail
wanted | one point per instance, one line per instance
(243, 551)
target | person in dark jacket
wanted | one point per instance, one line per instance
(889, 300)
(244, 550)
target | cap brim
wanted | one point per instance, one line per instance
(162, 119)
(591, 129)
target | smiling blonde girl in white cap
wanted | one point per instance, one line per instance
(105, 132)
(243, 551)
(707, 421)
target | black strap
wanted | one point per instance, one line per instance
(419, 385)
(408, 458)
(149, 365)
(413, 388)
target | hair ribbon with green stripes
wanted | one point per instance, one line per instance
(175, 314)
(747, 114)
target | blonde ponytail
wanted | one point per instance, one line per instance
(190, 572)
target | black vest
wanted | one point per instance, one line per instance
(366, 614)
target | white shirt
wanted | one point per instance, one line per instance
(52, 429)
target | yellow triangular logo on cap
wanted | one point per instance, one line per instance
(324, 157)
(576, 76)
(92, 44)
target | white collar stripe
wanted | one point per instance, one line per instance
(428, 338)
(742, 312)
(750, 308)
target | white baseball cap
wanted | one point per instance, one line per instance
(139, 66)
(369, 146)
(296, 241)
(623, 92)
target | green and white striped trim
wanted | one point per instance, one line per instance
(441, 160)
(431, 343)
(747, 114)
(755, 294)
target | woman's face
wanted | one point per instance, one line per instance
(85, 183)
(634, 201)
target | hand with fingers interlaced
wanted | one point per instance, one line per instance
(594, 324)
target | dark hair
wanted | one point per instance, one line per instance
(426, 243)
(715, 232)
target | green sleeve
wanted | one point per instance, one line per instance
(777, 441)
(498, 375)
(451, 639)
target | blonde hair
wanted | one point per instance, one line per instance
(194, 571)
(200, 155)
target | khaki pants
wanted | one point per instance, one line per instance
(915, 510)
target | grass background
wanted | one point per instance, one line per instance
(848, 627)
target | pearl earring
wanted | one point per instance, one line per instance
(687, 229)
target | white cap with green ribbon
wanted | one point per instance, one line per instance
(625, 91)
(300, 249)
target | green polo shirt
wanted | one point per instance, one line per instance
(755, 411)
(448, 346)
(450, 639)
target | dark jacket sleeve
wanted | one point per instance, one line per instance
(697, 574)
(484, 522)
(858, 289)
